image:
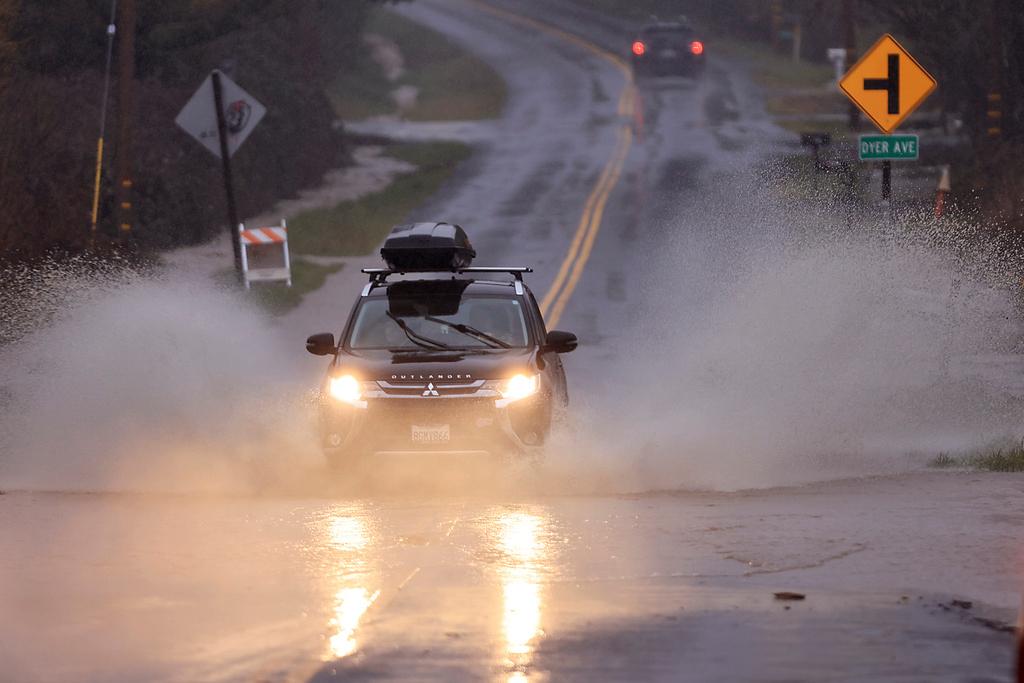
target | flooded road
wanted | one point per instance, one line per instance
(184, 588)
(752, 415)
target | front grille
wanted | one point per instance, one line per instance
(438, 389)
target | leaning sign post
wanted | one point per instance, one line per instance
(887, 84)
(221, 116)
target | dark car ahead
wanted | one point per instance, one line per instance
(446, 359)
(667, 49)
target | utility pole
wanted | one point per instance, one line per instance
(798, 30)
(994, 97)
(1000, 100)
(850, 38)
(776, 23)
(126, 121)
(100, 141)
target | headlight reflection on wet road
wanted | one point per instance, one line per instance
(348, 533)
(521, 540)
(350, 606)
(349, 538)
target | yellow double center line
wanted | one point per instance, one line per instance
(554, 302)
(571, 270)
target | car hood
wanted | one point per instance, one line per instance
(433, 365)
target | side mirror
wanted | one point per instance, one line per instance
(321, 344)
(560, 342)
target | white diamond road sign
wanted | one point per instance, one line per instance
(242, 112)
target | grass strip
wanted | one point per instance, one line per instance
(357, 227)
(773, 70)
(837, 129)
(277, 298)
(1008, 458)
(452, 84)
(795, 179)
(362, 91)
(792, 89)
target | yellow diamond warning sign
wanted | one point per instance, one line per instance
(887, 84)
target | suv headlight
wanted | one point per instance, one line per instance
(347, 389)
(516, 388)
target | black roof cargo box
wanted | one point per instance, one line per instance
(427, 246)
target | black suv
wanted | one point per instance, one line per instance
(667, 49)
(455, 360)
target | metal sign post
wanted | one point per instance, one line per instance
(220, 115)
(229, 186)
(888, 148)
(887, 84)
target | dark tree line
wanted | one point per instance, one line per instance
(52, 52)
(976, 50)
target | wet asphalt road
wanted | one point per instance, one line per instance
(532, 577)
(512, 587)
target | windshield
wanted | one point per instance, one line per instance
(466, 322)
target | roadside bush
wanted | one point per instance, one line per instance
(51, 56)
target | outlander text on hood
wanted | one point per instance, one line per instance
(440, 356)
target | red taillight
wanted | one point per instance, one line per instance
(697, 47)
(639, 48)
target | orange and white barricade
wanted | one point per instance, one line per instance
(265, 254)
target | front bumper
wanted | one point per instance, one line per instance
(472, 421)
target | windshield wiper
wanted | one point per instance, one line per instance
(470, 331)
(418, 339)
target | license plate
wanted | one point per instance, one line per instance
(668, 54)
(431, 434)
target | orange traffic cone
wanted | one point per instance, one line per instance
(942, 191)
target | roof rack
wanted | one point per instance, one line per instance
(378, 276)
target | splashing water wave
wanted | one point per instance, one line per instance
(143, 382)
(781, 346)
(775, 346)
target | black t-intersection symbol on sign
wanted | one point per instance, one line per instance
(890, 84)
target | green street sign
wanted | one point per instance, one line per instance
(888, 147)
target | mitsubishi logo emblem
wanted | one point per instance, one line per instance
(431, 391)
